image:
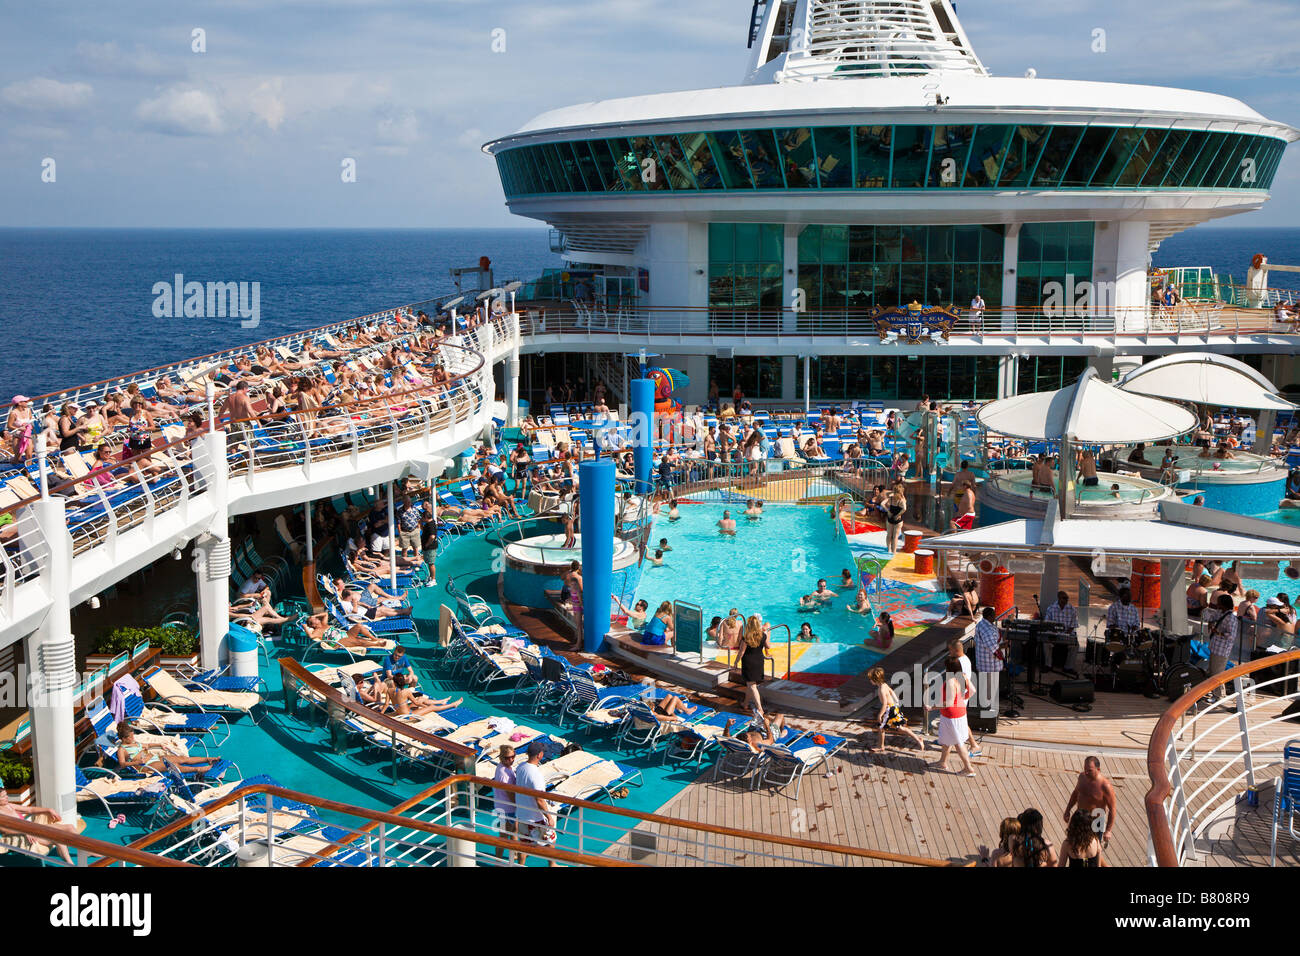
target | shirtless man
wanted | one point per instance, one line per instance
(823, 594)
(730, 629)
(1095, 795)
(960, 479)
(727, 524)
(1042, 478)
(1087, 469)
(238, 409)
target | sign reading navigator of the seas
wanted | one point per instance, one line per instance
(915, 323)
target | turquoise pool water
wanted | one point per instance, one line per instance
(1130, 490)
(763, 569)
(1269, 587)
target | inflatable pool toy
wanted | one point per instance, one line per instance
(858, 526)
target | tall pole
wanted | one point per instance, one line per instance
(807, 386)
(392, 544)
(642, 420)
(596, 493)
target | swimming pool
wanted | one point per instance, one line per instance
(764, 569)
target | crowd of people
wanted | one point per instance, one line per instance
(359, 376)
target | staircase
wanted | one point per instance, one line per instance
(609, 368)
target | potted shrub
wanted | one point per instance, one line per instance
(179, 645)
(16, 772)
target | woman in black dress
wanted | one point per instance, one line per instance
(754, 650)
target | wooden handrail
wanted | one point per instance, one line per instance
(1162, 838)
(109, 852)
(463, 756)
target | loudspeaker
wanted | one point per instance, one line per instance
(1074, 692)
(980, 725)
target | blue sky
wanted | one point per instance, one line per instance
(252, 132)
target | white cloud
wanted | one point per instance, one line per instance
(41, 94)
(472, 137)
(182, 113)
(267, 103)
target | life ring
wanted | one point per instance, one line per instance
(1258, 261)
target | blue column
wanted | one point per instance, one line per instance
(596, 488)
(642, 404)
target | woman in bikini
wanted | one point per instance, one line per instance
(318, 628)
(139, 756)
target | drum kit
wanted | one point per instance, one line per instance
(1144, 660)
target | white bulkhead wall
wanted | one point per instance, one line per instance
(677, 257)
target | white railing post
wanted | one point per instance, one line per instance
(1244, 726)
(1180, 800)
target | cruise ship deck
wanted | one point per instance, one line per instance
(785, 405)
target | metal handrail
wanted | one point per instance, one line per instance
(461, 791)
(1171, 837)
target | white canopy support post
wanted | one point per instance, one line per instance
(1264, 432)
(392, 544)
(1173, 595)
(311, 551)
(807, 386)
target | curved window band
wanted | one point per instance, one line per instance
(989, 157)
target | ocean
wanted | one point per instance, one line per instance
(77, 305)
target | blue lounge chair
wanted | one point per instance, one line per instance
(786, 764)
(1286, 799)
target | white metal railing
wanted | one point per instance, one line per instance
(1216, 751)
(455, 823)
(696, 324)
(24, 556)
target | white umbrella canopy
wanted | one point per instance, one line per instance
(1207, 379)
(1090, 411)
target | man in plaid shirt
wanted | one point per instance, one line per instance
(988, 663)
(1063, 613)
(1221, 624)
(1123, 614)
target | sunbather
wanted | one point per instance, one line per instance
(354, 610)
(140, 756)
(370, 588)
(407, 700)
(755, 738)
(8, 809)
(259, 611)
(318, 628)
(667, 709)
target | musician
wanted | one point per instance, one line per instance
(988, 662)
(1123, 614)
(1064, 614)
(1223, 628)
